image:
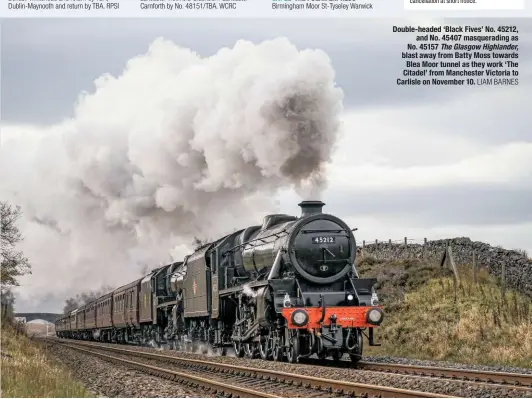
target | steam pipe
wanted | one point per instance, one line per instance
(322, 308)
(274, 272)
(349, 348)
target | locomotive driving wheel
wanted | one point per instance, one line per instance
(292, 351)
(251, 350)
(355, 346)
(248, 350)
(237, 345)
(265, 345)
(220, 350)
(278, 345)
(239, 349)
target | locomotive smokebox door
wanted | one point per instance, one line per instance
(321, 247)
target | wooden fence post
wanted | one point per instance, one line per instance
(503, 278)
(454, 289)
(376, 242)
(474, 267)
(406, 242)
(453, 265)
(363, 243)
(390, 241)
(448, 258)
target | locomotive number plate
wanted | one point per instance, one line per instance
(323, 240)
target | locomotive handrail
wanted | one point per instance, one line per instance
(304, 231)
(278, 235)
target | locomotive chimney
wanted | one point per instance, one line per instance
(310, 207)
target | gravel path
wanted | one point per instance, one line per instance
(105, 379)
(454, 388)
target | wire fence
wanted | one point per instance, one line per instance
(405, 241)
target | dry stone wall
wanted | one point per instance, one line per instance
(517, 267)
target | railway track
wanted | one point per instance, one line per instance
(233, 380)
(519, 382)
(216, 388)
(513, 380)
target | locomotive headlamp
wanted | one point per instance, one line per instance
(299, 318)
(374, 316)
(350, 297)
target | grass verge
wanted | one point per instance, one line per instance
(428, 316)
(27, 372)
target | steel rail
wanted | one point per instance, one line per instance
(213, 386)
(503, 378)
(323, 384)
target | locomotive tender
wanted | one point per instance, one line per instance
(284, 290)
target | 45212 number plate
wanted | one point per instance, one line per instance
(323, 240)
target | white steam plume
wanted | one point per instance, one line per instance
(178, 146)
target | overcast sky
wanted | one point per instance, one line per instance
(413, 161)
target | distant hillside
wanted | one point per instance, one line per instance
(424, 321)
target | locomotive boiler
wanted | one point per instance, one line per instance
(282, 290)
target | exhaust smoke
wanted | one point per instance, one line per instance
(178, 146)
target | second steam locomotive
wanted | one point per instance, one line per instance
(284, 290)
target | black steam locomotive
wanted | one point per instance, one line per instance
(284, 290)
